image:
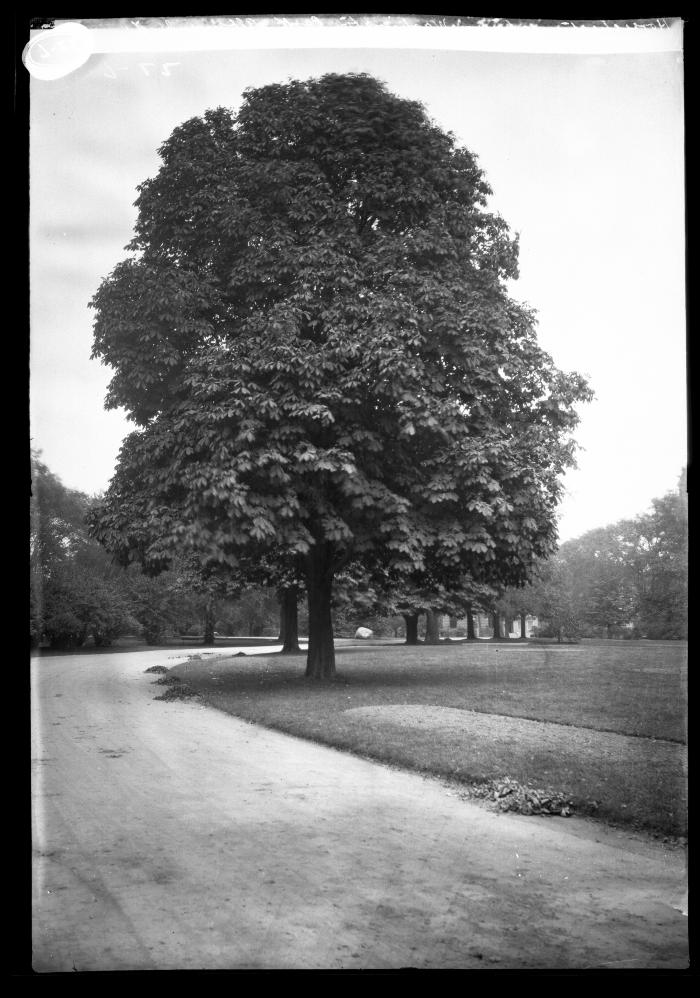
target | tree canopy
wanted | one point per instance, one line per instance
(314, 337)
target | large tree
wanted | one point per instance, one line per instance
(314, 337)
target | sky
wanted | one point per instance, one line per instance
(579, 132)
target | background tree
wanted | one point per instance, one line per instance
(75, 591)
(517, 604)
(58, 531)
(205, 587)
(288, 597)
(255, 611)
(156, 605)
(433, 593)
(554, 596)
(629, 578)
(662, 566)
(314, 338)
(604, 581)
(428, 593)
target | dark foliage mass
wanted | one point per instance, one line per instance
(78, 595)
(314, 338)
(74, 592)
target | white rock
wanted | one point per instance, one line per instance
(363, 632)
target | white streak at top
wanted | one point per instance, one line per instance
(566, 40)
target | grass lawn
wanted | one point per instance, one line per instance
(602, 723)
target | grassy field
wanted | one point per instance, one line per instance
(602, 724)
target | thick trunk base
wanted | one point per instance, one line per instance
(320, 658)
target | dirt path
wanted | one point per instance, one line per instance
(171, 836)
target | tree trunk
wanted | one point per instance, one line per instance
(496, 617)
(289, 627)
(560, 635)
(523, 627)
(432, 628)
(411, 628)
(471, 633)
(209, 621)
(320, 658)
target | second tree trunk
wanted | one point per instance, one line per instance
(432, 628)
(289, 625)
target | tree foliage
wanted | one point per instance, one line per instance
(661, 566)
(627, 579)
(314, 338)
(75, 592)
(555, 597)
(256, 611)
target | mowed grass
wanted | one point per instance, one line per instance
(603, 723)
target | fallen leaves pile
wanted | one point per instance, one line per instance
(509, 795)
(180, 691)
(177, 690)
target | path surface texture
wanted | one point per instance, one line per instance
(168, 835)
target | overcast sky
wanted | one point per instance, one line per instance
(583, 150)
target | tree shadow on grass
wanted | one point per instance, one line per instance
(268, 675)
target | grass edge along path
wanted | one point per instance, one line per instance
(453, 714)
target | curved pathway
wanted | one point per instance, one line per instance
(171, 836)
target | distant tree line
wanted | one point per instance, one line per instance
(628, 579)
(79, 595)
